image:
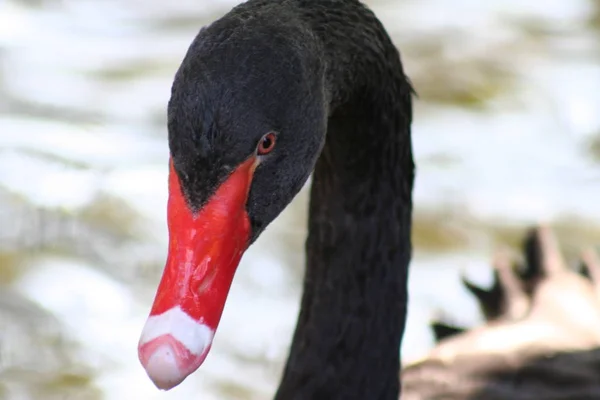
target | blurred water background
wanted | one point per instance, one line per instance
(506, 133)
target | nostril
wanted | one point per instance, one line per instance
(205, 283)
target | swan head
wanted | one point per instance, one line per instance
(247, 119)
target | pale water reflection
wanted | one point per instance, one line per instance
(507, 115)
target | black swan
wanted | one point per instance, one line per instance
(540, 341)
(274, 91)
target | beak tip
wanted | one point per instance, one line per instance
(173, 346)
(163, 369)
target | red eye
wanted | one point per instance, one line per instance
(266, 144)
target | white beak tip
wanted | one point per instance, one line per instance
(163, 369)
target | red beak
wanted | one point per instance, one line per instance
(205, 249)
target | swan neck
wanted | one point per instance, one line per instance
(353, 310)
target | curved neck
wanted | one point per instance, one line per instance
(347, 339)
